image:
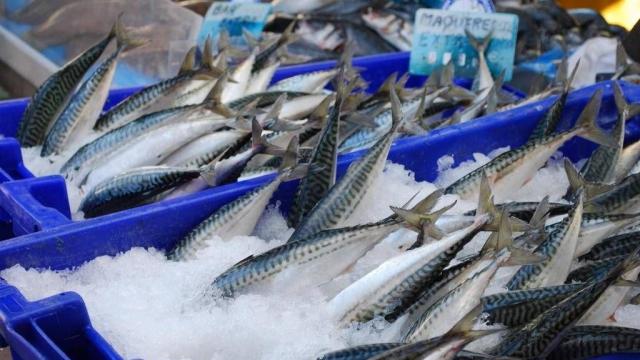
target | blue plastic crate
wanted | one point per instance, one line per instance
(51, 191)
(34, 330)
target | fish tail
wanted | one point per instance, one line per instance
(213, 101)
(480, 45)
(586, 123)
(259, 142)
(189, 61)
(424, 223)
(568, 81)
(625, 110)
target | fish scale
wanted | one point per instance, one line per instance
(582, 342)
(51, 95)
(535, 338)
(117, 115)
(618, 199)
(399, 298)
(118, 137)
(343, 198)
(130, 188)
(516, 308)
(558, 249)
(222, 220)
(614, 246)
(430, 324)
(68, 121)
(595, 270)
(362, 352)
(429, 295)
(325, 244)
(316, 184)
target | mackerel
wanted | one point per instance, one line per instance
(322, 172)
(620, 199)
(308, 82)
(509, 171)
(585, 342)
(98, 151)
(594, 270)
(483, 79)
(344, 197)
(604, 307)
(538, 337)
(596, 227)
(75, 123)
(139, 103)
(241, 74)
(559, 249)
(613, 246)
(309, 262)
(133, 187)
(516, 308)
(366, 137)
(204, 149)
(260, 80)
(236, 218)
(550, 121)
(229, 169)
(150, 148)
(601, 164)
(391, 284)
(51, 96)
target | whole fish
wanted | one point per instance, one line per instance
(238, 217)
(344, 197)
(310, 261)
(378, 291)
(139, 103)
(76, 121)
(322, 171)
(559, 249)
(133, 187)
(539, 337)
(512, 169)
(51, 96)
(98, 152)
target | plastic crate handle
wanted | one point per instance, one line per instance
(35, 204)
(57, 327)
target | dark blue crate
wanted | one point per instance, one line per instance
(33, 329)
(16, 219)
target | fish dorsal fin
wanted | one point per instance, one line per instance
(189, 61)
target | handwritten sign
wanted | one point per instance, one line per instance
(439, 37)
(234, 17)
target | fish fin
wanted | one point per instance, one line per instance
(425, 205)
(577, 181)
(587, 125)
(388, 83)
(485, 199)
(208, 61)
(625, 110)
(208, 171)
(562, 72)
(251, 40)
(447, 74)
(479, 45)
(319, 115)
(418, 221)
(433, 81)
(541, 214)
(123, 40)
(362, 120)
(464, 327)
(189, 61)
(213, 102)
(401, 84)
(569, 81)
(257, 141)
(492, 100)
(502, 238)
(290, 156)
(276, 107)
(288, 36)
(396, 111)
